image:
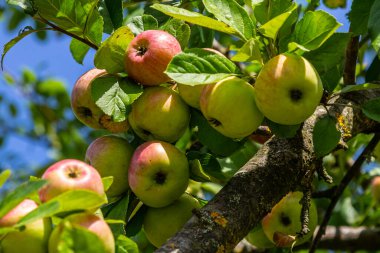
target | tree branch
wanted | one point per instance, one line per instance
(349, 74)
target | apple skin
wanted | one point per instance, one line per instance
(258, 238)
(33, 238)
(288, 89)
(86, 110)
(375, 189)
(285, 219)
(110, 156)
(88, 221)
(148, 55)
(70, 174)
(162, 223)
(191, 94)
(158, 173)
(222, 105)
(159, 114)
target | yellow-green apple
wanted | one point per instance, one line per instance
(86, 110)
(191, 94)
(110, 156)
(162, 223)
(375, 189)
(230, 107)
(283, 223)
(148, 55)
(288, 89)
(258, 238)
(158, 173)
(33, 238)
(159, 114)
(92, 223)
(70, 174)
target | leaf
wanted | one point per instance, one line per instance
(314, 29)
(250, 51)
(22, 192)
(372, 109)
(24, 4)
(359, 15)
(110, 55)
(114, 96)
(283, 131)
(374, 26)
(115, 12)
(180, 30)
(198, 66)
(232, 14)
(78, 50)
(357, 87)
(204, 167)
(4, 175)
(118, 211)
(194, 18)
(265, 10)
(373, 73)
(325, 136)
(68, 201)
(26, 31)
(142, 23)
(201, 37)
(125, 245)
(107, 182)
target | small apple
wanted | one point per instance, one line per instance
(89, 221)
(148, 55)
(33, 238)
(70, 174)
(162, 223)
(86, 110)
(159, 114)
(283, 223)
(191, 94)
(288, 89)
(229, 106)
(258, 238)
(158, 173)
(375, 188)
(110, 156)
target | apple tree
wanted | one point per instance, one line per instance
(212, 121)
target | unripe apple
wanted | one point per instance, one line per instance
(148, 55)
(191, 94)
(158, 173)
(159, 114)
(258, 238)
(85, 108)
(375, 189)
(110, 156)
(283, 223)
(230, 107)
(92, 223)
(32, 239)
(70, 174)
(162, 223)
(288, 89)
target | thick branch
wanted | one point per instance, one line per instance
(280, 166)
(352, 50)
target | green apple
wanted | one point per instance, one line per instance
(258, 238)
(162, 223)
(159, 114)
(288, 89)
(86, 110)
(32, 239)
(283, 223)
(89, 221)
(191, 94)
(158, 173)
(375, 189)
(110, 156)
(229, 106)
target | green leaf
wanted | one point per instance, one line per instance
(204, 167)
(78, 50)
(26, 31)
(110, 55)
(359, 15)
(24, 4)
(4, 175)
(265, 10)
(179, 29)
(232, 14)
(201, 37)
(115, 12)
(357, 87)
(142, 23)
(126, 245)
(69, 201)
(107, 182)
(114, 96)
(314, 29)
(51, 87)
(373, 72)
(325, 136)
(372, 109)
(194, 18)
(198, 66)
(250, 51)
(22, 192)
(283, 131)
(374, 26)
(118, 211)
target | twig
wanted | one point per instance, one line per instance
(349, 75)
(351, 173)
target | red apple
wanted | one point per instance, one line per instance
(70, 174)
(148, 55)
(375, 188)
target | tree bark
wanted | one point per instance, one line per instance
(280, 166)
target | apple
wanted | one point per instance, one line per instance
(70, 174)
(159, 114)
(162, 223)
(283, 223)
(33, 238)
(86, 110)
(288, 89)
(92, 223)
(148, 55)
(158, 173)
(229, 106)
(258, 238)
(191, 94)
(110, 156)
(375, 188)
